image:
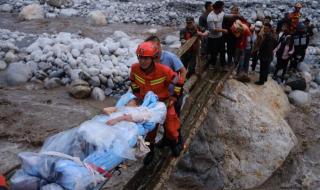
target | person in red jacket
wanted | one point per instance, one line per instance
(241, 31)
(295, 17)
(148, 75)
(3, 183)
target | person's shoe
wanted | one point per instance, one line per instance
(163, 142)
(259, 83)
(177, 147)
(149, 157)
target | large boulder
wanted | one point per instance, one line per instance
(30, 12)
(18, 73)
(79, 89)
(98, 94)
(244, 139)
(300, 98)
(60, 3)
(97, 18)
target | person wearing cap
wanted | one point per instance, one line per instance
(265, 53)
(189, 58)
(301, 43)
(295, 17)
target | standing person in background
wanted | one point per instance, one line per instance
(215, 38)
(203, 24)
(283, 53)
(265, 53)
(301, 43)
(242, 32)
(295, 17)
(230, 38)
(189, 58)
(254, 50)
(309, 27)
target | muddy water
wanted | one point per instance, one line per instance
(78, 25)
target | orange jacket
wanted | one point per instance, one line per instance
(294, 18)
(157, 81)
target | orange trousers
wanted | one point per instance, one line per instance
(3, 183)
(171, 126)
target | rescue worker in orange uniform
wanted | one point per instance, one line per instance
(294, 17)
(149, 75)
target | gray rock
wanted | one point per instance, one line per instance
(52, 83)
(103, 79)
(317, 78)
(297, 83)
(239, 145)
(18, 73)
(41, 75)
(68, 12)
(108, 91)
(10, 57)
(98, 94)
(84, 75)
(94, 81)
(110, 83)
(75, 53)
(57, 74)
(303, 67)
(169, 40)
(299, 98)
(31, 12)
(44, 66)
(97, 18)
(3, 65)
(79, 89)
(93, 71)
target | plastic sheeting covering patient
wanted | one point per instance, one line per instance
(81, 158)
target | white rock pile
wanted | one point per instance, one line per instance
(66, 58)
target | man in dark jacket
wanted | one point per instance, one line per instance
(266, 53)
(301, 42)
(203, 25)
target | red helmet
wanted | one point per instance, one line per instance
(147, 49)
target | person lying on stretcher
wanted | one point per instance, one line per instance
(82, 157)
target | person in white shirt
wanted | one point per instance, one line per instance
(216, 44)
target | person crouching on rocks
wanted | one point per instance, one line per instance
(284, 52)
(265, 53)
